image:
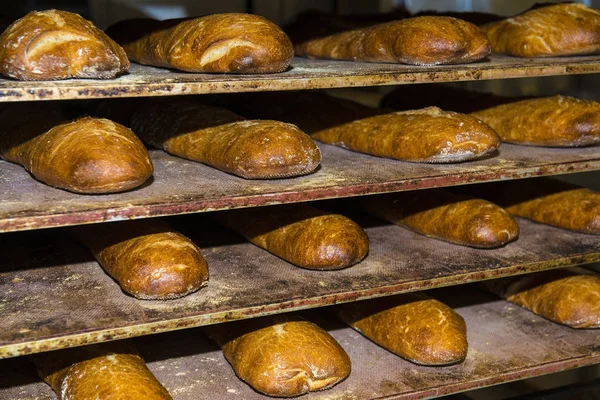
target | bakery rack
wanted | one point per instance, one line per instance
(54, 295)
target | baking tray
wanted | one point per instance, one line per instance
(54, 295)
(303, 74)
(181, 186)
(506, 343)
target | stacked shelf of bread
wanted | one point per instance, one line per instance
(56, 296)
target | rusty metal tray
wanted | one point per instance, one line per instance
(303, 74)
(506, 343)
(54, 295)
(181, 186)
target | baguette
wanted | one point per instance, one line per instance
(419, 41)
(429, 135)
(552, 30)
(217, 137)
(414, 326)
(547, 201)
(53, 44)
(561, 296)
(282, 356)
(446, 216)
(222, 43)
(557, 121)
(147, 258)
(88, 155)
(301, 234)
(108, 371)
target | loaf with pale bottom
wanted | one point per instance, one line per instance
(282, 356)
(414, 326)
(147, 258)
(563, 296)
(443, 215)
(301, 234)
(107, 371)
(252, 149)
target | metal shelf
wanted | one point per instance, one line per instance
(303, 74)
(54, 295)
(506, 343)
(181, 186)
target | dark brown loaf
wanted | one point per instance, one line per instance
(88, 155)
(414, 326)
(420, 41)
(107, 371)
(561, 296)
(553, 30)
(557, 121)
(282, 356)
(53, 44)
(147, 258)
(258, 149)
(547, 201)
(447, 216)
(238, 43)
(301, 234)
(429, 135)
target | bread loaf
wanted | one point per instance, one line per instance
(282, 356)
(429, 135)
(301, 234)
(417, 41)
(446, 216)
(88, 155)
(147, 258)
(414, 326)
(257, 149)
(552, 30)
(107, 371)
(547, 201)
(237, 43)
(53, 44)
(561, 296)
(557, 121)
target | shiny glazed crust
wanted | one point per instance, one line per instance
(557, 121)
(236, 43)
(282, 356)
(301, 234)
(258, 149)
(446, 216)
(560, 296)
(88, 155)
(553, 30)
(413, 326)
(107, 371)
(421, 41)
(53, 44)
(147, 258)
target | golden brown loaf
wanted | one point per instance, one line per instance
(447, 216)
(282, 356)
(553, 30)
(88, 155)
(420, 41)
(557, 121)
(258, 149)
(547, 201)
(414, 326)
(429, 135)
(238, 43)
(301, 234)
(53, 44)
(147, 258)
(107, 371)
(561, 296)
